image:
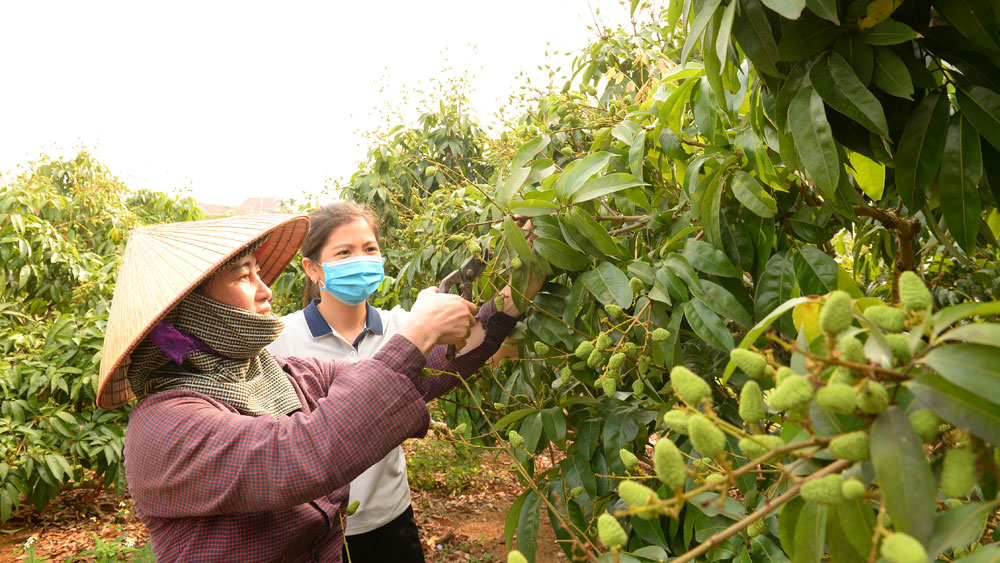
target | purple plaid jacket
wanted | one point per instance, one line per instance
(214, 485)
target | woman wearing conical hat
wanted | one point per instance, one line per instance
(231, 453)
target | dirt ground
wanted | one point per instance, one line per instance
(454, 526)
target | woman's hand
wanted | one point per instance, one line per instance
(439, 318)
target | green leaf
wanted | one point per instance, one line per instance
(982, 107)
(753, 32)
(958, 528)
(790, 9)
(985, 554)
(515, 239)
(810, 534)
(707, 325)
(724, 33)
(919, 154)
(513, 515)
(720, 300)
(751, 193)
(904, 475)
(528, 151)
(588, 227)
(817, 270)
(950, 315)
(975, 367)
(775, 286)
(858, 54)
(869, 175)
(578, 172)
(698, 25)
(976, 19)
(636, 154)
(977, 333)
(961, 168)
(5, 505)
(805, 37)
(608, 284)
(814, 140)
(560, 255)
(826, 9)
(758, 329)
(533, 207)
(604, 185)
(766, 551)
(840, 88)
(857, 520)
(527, 526)
(889, 32)
(703, 257)
(891, 74)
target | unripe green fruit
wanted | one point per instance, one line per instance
(926, 423)
(903, 548)
(958, 475)
(872, 397)
(635, 494)
(430, 171)
(668, 463)
(609, 386)
(660, 334)
(852, 489)
(603, 341)
(584, 349)
(900, 346)
(353, 507)
(565, 374)
(576, 491)
(515, 438)
(516, 557)
(610, 532)
(616, 360)
(566, 150)
(688, 386)
(702, 464)
(515, 263)
(756, 528)
(760, 444)
(752, 402)
(783, 373)
(614, 311)
(836, 397)
(706, 436)
(793, 392)
(852, 446)
(714, 478)
(541, 348)
(913, 293)
(644, 365)
(473, 247)
(841, 376)
(852, 350)
(595, 359)
(825, 490)
(835, 316)
(498, 302)
(628, 459)
(630, 349)
(636, 285)
(677, 421)
(461, 428)
(751, 363)
(638, 386)
(889, 319)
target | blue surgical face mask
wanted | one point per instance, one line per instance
(352, 280)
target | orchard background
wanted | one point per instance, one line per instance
(729, 360)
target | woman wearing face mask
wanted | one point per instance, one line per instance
(342, 258)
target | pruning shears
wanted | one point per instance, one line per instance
(463, 277)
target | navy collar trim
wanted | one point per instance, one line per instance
(319, 327)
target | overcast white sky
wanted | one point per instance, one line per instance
(240, 99)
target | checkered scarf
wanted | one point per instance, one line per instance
(241, 373)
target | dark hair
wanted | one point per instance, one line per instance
(324, 221)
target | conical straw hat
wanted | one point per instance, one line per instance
(162, 264)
